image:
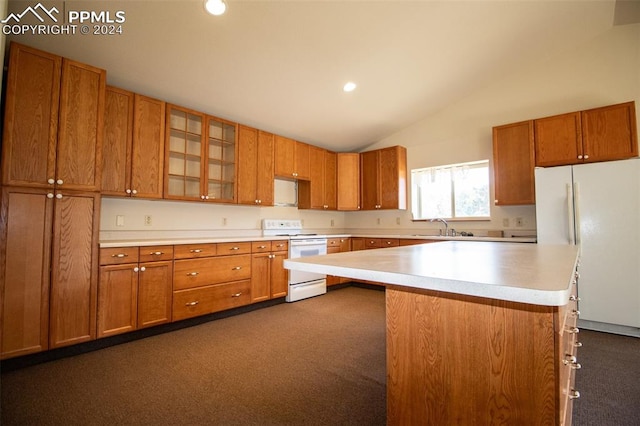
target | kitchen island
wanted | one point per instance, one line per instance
(477, 333)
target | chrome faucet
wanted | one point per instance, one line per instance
(446, 225)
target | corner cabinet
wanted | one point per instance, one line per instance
(255, 167)
(513, 164)
(384, 178)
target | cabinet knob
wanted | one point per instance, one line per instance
(237, 294)
(574, 394)
(136, 269)
(236, 268)
(574, 298)
(51, 181)
(128, 191)
(134, 192)
(586, 156)
(59, 196)
(59, 181)
(579, 157)
(194, 303)
(192, 274)
(575, 312)
(50, 195)
(573, 330)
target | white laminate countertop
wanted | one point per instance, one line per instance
(529, 273)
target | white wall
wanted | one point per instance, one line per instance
(603, 71)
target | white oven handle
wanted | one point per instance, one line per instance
(308, 243)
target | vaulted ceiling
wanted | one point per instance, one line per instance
(281, 65)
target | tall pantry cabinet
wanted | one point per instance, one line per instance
(51, 157)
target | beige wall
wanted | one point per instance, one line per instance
(603, 71)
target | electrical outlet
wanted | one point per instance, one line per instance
(505, 222)
(147, 220)
(378, 221)
(224, 221)
(519, 222)
(333, 222)
(397, 221)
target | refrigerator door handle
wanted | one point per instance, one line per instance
(570, 214)
(576, 202)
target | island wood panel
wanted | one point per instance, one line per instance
(454, 359)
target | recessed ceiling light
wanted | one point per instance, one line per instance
(215, 7)
(349, 87)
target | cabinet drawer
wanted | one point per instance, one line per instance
(393, 242)
(234, 248)
(187, 251)
(118, 255)
(280, 245)
(153, 253)
(372, 243)
(190, 273)
(205, 300)
(261, 246)
(333, 242)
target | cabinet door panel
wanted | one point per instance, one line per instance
(285, 157)
(24, 270)
(118, 134)
(31, 117)
(74, 270)
(279, 275)
(265, 173)
(330, 180)
(369, 180)
(303, 162)
(513, 163)
(247, 165)
(154, 293)
(609, 133)
(393, 178)
(147, 158)
(117, 299)
(80, 132)
(558, 140)
(260, 288)
(348, 181)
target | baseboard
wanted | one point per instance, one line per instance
(623, 330)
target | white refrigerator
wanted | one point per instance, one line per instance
(597, 206)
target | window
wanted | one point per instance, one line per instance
(456, 191)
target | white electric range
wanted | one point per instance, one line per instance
(301, 284)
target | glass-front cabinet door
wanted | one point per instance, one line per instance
(185, 151)
(220, 169)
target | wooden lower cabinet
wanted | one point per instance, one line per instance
(269, 278)
(337, 245)
(454, 359)
(134, 295)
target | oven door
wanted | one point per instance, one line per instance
(306, 248)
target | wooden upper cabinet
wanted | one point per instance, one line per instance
(558, 140)
(118, 136)
(599, 134)
(31, 117)
(80, 130)
(319, 192)
(255, 166)
(54, 120)
(610, 133)
(513, 163)
(147, 150)
(220, 165)
(292, 159)
(384, 178)
(348, 181)
(330, 180)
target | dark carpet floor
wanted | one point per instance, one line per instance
(320, 361)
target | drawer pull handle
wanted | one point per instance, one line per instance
(280, 245)
(569, 359)
(574, 298)
(576, 366)
(191, 303)
(196, 251)
(573, 330)
(156, 253)
(575, 312)
(574, 394)
(236, 268)
(234, 248)
(577, 345)
(262, 247)
(192, 274)
(236, 294)
(120, 255)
